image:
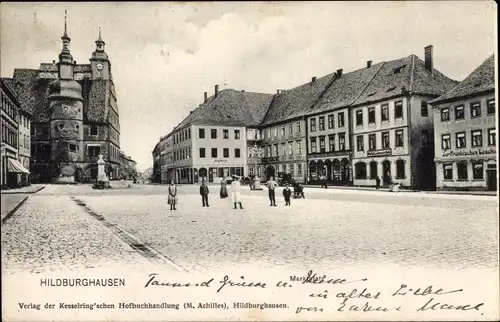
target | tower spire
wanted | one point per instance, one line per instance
(65, 55)
(65, 24)
(99, 39)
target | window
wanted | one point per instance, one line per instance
(214, 152)
(298, 127)
(331, 122)
(93, 129)
(371, 115)
(459, 112)
(477, 170)
(236, 134)
(225, 152)
(460, 138)
(400, 169)
(373, 170)
(445, 142)
(283, 149)
(399, 138)
(360, 142)
(72, 148)
(384, 112)
(213, 133)
(290, 148)
(445, 114)
(490, 106)
(359, 118)
(462, 170)
(268, 133)
(448, 171)
(299, 169)
(424, 109)
(477, 138)
(475, 109)
(321, 123)
(201, 133)
(275, 132)
(342, 141)
(313, 145)
(360, 170)
(93, 151)
(321, 144)
(189, 133)
(276, 153)
(492, 133)
(313, 125)
(331, 142)
(290, 129)
(292, 170)
(385, 140)
(298, 145)
(283, 130)
(340, 118)
(372, 142)
(398, 109)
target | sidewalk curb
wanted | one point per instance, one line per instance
(13, 211)
(7, 192)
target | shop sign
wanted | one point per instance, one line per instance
(270, 159)
(220, 161)
(330, 154)
(477, 152)
(378, 153)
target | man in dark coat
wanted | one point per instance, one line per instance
(377, 183)
(204, 194)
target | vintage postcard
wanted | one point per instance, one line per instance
(249, 161)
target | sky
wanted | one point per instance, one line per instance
(165, 55)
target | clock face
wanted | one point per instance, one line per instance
(99, 66)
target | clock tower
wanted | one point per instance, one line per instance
(101, 66)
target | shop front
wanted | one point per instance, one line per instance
(335, 167)
(467, 170)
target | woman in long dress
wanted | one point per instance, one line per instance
(172, 195)
(236, 192)
(223, 189)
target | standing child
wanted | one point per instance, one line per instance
(287, 193)
(172, 195)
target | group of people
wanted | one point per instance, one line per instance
(236, 193)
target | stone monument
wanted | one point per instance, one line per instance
(102, 178)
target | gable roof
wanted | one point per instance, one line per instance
(482, 79)
(295, 102)
(230, 107)
(396, 77)
(344, 90)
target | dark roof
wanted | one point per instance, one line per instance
(482, 79)
(230, 107)
(398, 76)
(33, 91)
(344, 90)
(293, 103)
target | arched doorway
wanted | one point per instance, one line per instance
(270, 172)
(313, 175)
(386, 172)
(344, 168)
(320, 169)
(337, 173)
(328, 164)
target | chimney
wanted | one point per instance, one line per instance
(313, 79)
(190, 112)
(428, 58)
(205, 97)
(339, 72)
(369, 64)
(54, 62)
(216, 90)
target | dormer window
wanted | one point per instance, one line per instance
(399, 69)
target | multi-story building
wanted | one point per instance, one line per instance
(75, 116)
(284, 130)
(211, 143)
(465, 132)
(392, 127)
(128, 167)
(329, 127)
(12, 171)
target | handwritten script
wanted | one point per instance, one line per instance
(334, 293)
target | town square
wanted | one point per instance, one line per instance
(318, 158)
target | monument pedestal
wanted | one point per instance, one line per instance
(256, 184)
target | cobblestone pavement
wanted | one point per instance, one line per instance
(329, 229)
(423, 232)
(50, 233)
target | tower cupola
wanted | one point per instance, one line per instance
(65, 55)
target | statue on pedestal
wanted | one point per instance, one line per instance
(102, 178)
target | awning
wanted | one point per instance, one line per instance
(16, 167)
